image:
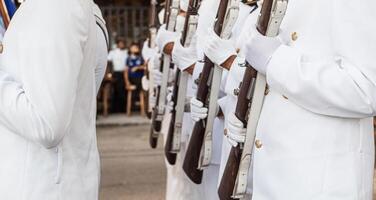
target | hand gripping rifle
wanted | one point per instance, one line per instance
(172, 11)
(251, 97)
(226, 187)
(172, 146)
(209, 81)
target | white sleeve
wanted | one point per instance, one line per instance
(40, 107)
(343, 86)
(101, 55)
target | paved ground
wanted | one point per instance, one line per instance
(130, 169)
(121, 120)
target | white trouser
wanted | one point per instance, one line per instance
(179, 187)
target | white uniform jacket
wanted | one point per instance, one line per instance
(48, 146)
(315, 134)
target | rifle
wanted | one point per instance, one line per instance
(268, 24)
(193, 166)
(172, 146)
(171, 13)
(151, 44)
(226, 187)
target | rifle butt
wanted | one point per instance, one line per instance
(148, 115)
(171, 157)
(153, 139)
(155, 128)
(157, 125)
(191, 160)
(226, 187)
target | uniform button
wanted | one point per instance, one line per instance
(1, 48)
(236, 92)
(285, 97)
(225, 131)
(294, 36)
(258, 144)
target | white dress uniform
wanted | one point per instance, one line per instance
(178, 184)
(211, 174)
(315, 134)
(48, 90)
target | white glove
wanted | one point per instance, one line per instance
(170, 104)
(147, 52)
(260, 49)
(184, 57)
(235, 130)
(164, 37)
(198, 111)
(219, 50)
(157, 77)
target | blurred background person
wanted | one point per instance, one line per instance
(8, 8)
(117, 58)
(135, 67)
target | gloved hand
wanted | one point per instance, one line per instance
(157, 77)
(184, 57)
(219, 50)
(235, 130)
(260, 49)
(147, 52)
(198, 111)
(170, 104)
(164, 37)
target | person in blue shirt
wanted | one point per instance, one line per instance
(135, 67)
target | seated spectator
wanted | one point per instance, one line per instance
(135, 67)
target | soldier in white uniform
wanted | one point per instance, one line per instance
(247, 18)
(52, 52)
(315, 134)
(217, 50)
(178, 184)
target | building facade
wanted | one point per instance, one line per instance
(126, 18)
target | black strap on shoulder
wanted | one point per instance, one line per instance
(102, 26)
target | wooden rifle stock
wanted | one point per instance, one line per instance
(190, 165)
(170, 155)
(191, 161)
(156, 124)
(151, 43)
(227, 184)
